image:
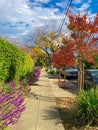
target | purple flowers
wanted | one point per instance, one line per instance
(11, 105)
(36, 74)
(12, 98)
(32, 77)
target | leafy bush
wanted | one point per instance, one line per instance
(14, 63)
(12, 98)
(88, 106)
(46, 69)
(40, 63)
(11, 104)
(31, 77)
(52, 71)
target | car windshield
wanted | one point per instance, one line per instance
(69, 68)
(94, 74)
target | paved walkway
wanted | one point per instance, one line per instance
(41, 112)
(69, 89)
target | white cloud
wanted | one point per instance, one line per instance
(19, 17)
(84, 7)
(62, 4)
(43, 1)
(77, 1)
(18, 13)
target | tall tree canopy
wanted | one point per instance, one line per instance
(46, 42)
(84, 35)
(64, 55)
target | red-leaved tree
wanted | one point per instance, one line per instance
(84, 35)
(64, 56)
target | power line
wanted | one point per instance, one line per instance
(64, 16)
(66, 11)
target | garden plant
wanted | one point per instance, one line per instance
(17, 73)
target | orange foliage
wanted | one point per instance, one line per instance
(64, 56)
(84, 34)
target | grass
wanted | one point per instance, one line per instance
(70, 115)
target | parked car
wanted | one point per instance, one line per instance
(71, 72)
(90, 78)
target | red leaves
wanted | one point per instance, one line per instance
(83, 41)
(64, 56)
(84, 34)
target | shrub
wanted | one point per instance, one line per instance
(31, 77)
(11, 104)
(52, 71)
(40, 63)
(14, 63)
(12, 98)
(46, 69)
(88, 106)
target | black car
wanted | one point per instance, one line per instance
(91, 78)
(71, 72)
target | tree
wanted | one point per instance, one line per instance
(84, 35)
(64, 56)
(47, 42)
(88, 65)
(96, 60)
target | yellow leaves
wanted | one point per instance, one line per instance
(39, 51)
(48, 41)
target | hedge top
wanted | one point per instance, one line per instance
(14, 63)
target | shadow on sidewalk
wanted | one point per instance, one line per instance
(40, 97)
(36, 84)
(70, 86)
(52, 114)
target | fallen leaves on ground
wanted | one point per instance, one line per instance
(69, 114)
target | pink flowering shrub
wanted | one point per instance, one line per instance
(12, 98)
(11, 105)
(36, 73)
(32, 77)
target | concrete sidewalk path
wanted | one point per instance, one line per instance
(41, 111)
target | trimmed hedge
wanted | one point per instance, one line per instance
(14, 63)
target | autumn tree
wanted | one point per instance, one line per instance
(47, 42)
(91, 65)
(64, 56)
(96, 61)
(84, 35)
(39, 54)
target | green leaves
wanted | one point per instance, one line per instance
(14, 63)
(88, 106)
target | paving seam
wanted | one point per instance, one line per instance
(39, 102)
(37, 115)
(55, 102)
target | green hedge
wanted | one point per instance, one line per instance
(14, 63)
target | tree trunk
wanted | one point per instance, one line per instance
(80, 75)
(64, 76)
(59, 75)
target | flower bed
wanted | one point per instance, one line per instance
(12, 96)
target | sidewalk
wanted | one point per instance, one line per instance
(41, 112)
(61, 90)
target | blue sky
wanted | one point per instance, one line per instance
(19, 18)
